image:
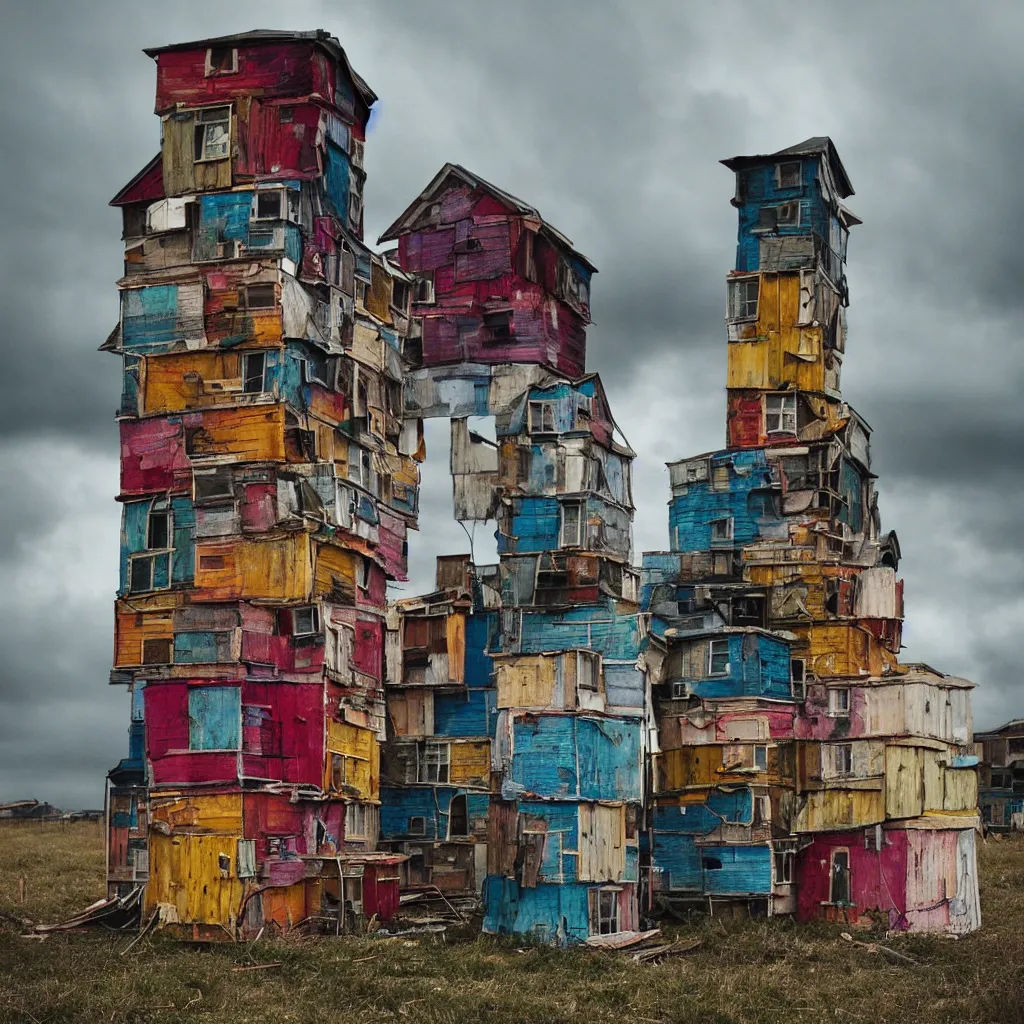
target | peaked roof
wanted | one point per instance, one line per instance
(147, 184)
(263, 35)
(427, 196)
(817, 145)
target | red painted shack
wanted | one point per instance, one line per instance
(919, 874)
(502, 285)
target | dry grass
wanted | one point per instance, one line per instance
(744, 972)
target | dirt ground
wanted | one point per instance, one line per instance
(743, 971)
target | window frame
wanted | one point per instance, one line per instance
(593, 659)
(166, 515)
(728, 536)
(712, 674)
(355, 810)
(437, 764)
(581, 529)
(248, 375)
(542, 408)
(783, 866)
(422, 830)
(798, 681)
(199, 126)
(313, 612)
(837, 707)
(788, 221)
(216, 72)
(798, 164)
(842, 752)
(782, 415)
(247, 303)
(756, 762)
(610, 923)
(847, 871)
(282, 204)
(739, 307)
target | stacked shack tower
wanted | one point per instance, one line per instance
(514, 766)
(802, 767)
(268, 478)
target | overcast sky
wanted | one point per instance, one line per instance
(611, 119)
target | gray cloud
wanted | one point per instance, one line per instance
(611, 119)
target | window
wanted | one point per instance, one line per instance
(780, 414)
(787, 215)
(573, 524)
(761, 757)
(541, 417)
(842, 758)
(1001, 780)
(158, 531)
(260, 296)
(214, 718)
(355, 821)
(785, 861)
(588, 670)
(718, 658)
(458, 817)
(839, 877)
(839, 702)
(254, 366)
(604, 911)
(355, 209)
(400, 296)
(417, 825)
(286, 115)
(432, 762)
(213, 133)
(360, 466)
(788, 175)
(221, 60)
(212, 484)
(423, 289)
(743, 298)
(269, 204)
(156, 651)
(798, 678)
(363, 573)
(680, 689)
(148, 572)
(298, 621)
(356, 153)
(721, 531)
(498, 326)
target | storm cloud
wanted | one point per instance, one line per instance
(610, 118)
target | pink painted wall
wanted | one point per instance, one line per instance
(816, 724)
(153, 456)
(878, 880)
(780, 723)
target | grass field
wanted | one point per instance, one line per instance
(743, 972)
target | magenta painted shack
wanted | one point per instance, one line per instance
(501, 285)
(897, 875)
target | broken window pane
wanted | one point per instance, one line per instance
(788, 175)
(213, 133)
(254, 366)
(221, 60)
(141, 575)
(158, 532)
(268, 204)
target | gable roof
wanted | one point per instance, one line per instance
(258, 36)
(413, 211)
(147, 184)
(817, 145)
